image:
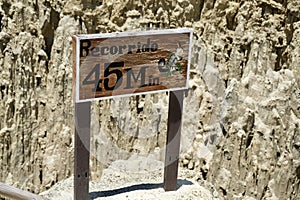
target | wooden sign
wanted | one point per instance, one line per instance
(125, 64)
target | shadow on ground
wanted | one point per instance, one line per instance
(144, 186)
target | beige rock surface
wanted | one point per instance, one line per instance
(241, 121)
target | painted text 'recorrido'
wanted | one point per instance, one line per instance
(139, 47)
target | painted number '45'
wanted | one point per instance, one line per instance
(109, 70)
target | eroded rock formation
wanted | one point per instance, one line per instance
(241, 120)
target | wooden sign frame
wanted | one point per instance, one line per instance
(163, 65)
(125, 64)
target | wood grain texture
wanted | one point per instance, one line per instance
(129, 50)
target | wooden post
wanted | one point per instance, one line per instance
(173, 140)
(15, 193)
(82, 150)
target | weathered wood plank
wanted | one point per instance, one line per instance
(17, 194)
(124, 65)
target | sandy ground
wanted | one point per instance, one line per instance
(138, 178)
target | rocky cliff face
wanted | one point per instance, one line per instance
(242, 111)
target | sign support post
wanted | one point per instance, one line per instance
(82, 150)
(173, 140)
